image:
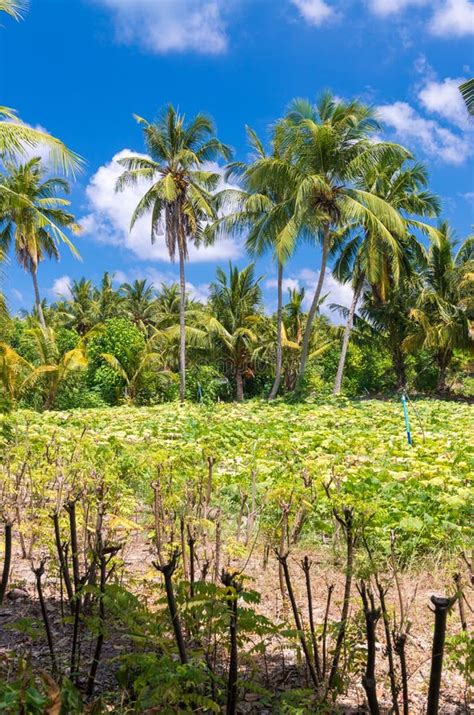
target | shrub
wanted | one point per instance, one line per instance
(123, 340)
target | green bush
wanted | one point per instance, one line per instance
(206, 384)
(123, 340)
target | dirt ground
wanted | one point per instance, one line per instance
(416, 588)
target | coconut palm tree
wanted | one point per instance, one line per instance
(55, 367)
(180, 191)
(323, 335)
(261, 212)
(167, 305)
(17, 138)
(440, 320)
(14, 371)
(373, 257)
(13, 8)
(467, 91)
(78, 310)
(235, 299)
(139, 303)
(32, 217)
(146, 359)
(326, 146)
(107, 301)
(388, 321)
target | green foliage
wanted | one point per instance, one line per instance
(22, 690)
(206, 384)
(419, 492)
(460, 650)
(123, 340)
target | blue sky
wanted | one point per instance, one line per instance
(81, 68)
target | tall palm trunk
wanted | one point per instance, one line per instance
(443, 359)
(314, 307)
(39, 307)
(279, 348)
(346, 336)
(239, 384)
(398, 362)
(182, 325)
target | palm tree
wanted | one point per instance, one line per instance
(107, 301)
(323, 335)
(167, 305)
(440, 320)
(373, 257)
(388, 321)
(139, 303)
(181, 190)
(146, 359)
(234, 300)
(327, 145)
(467, 91)
(14, 371)
(13, 8)
(17, 138)
(78, 310)
(55, 367)
(261, 212)
(31, 218)
(293, 325)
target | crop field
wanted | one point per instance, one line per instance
(275, 528)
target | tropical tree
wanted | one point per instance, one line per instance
(17, 138)
(107, 301)
(260, 211)
(13, 8)
(32, 217)
(139, 303)
(14, 371)
(378, 258)
(55, 367)
(3, 307)
(180, 190)
(167, 305)
(388, 321)
(143, 361)
(440, 320)
(467, 91)
(323, 336)
(77, 311)
(327, 145)
(235, 299)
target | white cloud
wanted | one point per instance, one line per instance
(108, 220)
(449, 18)
(198, 292)
(435, 140)
(162, 26)
(453, 18)
(392, 7)
(119, 277)
(315, 12)
(288, 284)
(444, 98)
(17, 294)
(61, 287)
(339, 293)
